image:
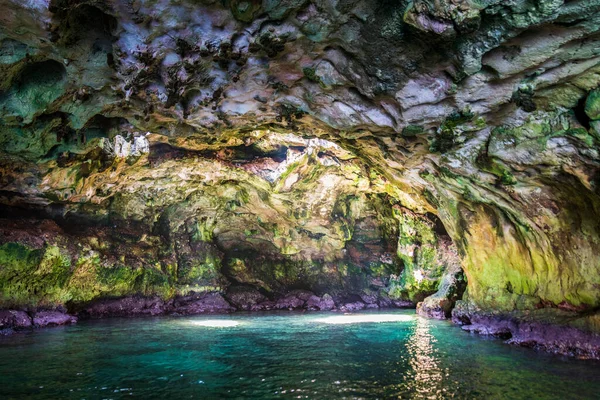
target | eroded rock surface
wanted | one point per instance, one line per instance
(451, 289)
(52, 318)
(559, 332)
(355, 149)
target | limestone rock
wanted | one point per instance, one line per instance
(351, 307)
(51, 318)
(244, 297)
(206, 303)
(294, 300)
(345, 148)
(124, 307)
(592, 105)
(323, 303)
(451, 289)
(123, 148)
(14, 320)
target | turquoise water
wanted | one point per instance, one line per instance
(282, 355)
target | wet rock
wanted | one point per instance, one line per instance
(244, 297)
(313, 303)
(324, 303)
(403, 304)
(370, 299)
(124, 307)
(14, 320)
(264, 306)
(294, 300)
(463, 309)
(200, 304)
(301, 294)
(289, 303)
(451, 289)
(52, 318)
(557, 339)
(557, 331)
(351, 307)
(384, 301)
(500, 330)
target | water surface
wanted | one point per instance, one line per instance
(282, 355)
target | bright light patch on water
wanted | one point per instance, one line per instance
(364, 318)
(215, 323)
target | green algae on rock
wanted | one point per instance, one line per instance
(359, 150)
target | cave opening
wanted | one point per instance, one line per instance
(305, 218)
(317, 199)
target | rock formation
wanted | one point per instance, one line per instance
(365, 151)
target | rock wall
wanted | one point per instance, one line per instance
(350, 148)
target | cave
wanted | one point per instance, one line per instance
(312, 199)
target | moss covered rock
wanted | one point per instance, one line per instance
(592, 105)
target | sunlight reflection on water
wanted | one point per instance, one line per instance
(214, 323)
(362, 318)
(282, 355)
(425, 376)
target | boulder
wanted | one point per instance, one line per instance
(244, 297)
(403, 304)
(124, 307)
(206, 303)
(14, 320)
(351, 307)
(370, 299)
(440, 304)
(384, 301)
(52, 318)
(290, 301)
(324, 303)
